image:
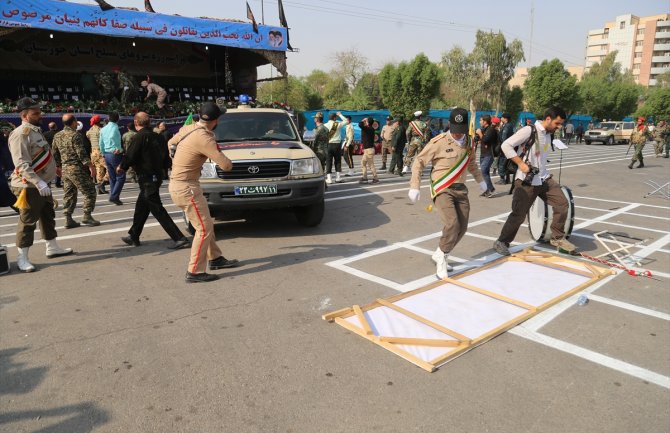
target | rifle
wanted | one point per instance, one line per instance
(629, 146)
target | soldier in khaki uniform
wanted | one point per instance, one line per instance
(126, 138)
(417, 131)
(189, 149)
(34, 169)
(387, 133)
(450, 154)
(77, 170)
(638, 138)
(661, 134)
(93, 136)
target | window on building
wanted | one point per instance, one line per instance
(638, 43)
(622, 25)
(636, 66)
(638, 55)
(640, 31)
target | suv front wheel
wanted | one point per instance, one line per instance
(310, 216)
(610, 140)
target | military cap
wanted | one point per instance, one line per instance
(26, 104)
(418, 113)
(318, 115)
(458, 121)
(210, 111)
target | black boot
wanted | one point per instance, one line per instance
(631, 165)
(641, 164)
(101, 188)
(222, 263)
(203, 277)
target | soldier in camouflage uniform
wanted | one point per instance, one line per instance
(417, 131)
(661, 134)
(93, 136)
(125, 142)
(127, 86)
(76, 167)
(320, 145)
(638, 138)
(106, 85)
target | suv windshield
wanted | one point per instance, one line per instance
(255, 125)
(607, 125)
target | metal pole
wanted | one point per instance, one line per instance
(262, 12)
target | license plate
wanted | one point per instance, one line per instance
(255, 189)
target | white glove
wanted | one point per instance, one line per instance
(414, 195)
(43, 188)
(483, 186)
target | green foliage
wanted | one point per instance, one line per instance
(291, 91)
(607, 92)
(336, 93)
(366, 94)
(657, 105)
(513, 102)
(409, 86)
(497, 59)
(551, 84)
(464, 77)
(663, 80)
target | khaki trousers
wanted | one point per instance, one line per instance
(453, 206)
(369, 160)
(39, 209)
(189, 197)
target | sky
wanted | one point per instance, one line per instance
(398, 30)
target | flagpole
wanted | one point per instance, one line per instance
(262, 12)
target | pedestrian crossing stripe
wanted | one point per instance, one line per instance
(450, 177)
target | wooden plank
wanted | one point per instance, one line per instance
(331, 316)
(420, 341)
(460, 337)
(363, 320)
(549, 264)
(388, 346)
(493, 295)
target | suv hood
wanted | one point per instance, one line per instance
(237, 150)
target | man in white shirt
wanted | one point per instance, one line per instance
(533, 180)
(348, 146)
(334, 145)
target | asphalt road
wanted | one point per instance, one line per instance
(112, 339)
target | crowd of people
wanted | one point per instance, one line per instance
(39, 160)
(88, 162)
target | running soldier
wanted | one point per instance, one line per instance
(348, 146)
(661, 133)
(417, 131)
(77, 172)
(320, 144)
(638, 139)
(125, 142)
(450, 154)
(106, 86)
(155, 89)
(93, 136)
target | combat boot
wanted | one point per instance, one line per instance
(70, 223)
(641, 165)
(631, 165)
(101, 188)
(54, 250)
(22, 260)
(88, 220)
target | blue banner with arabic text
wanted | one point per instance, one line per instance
(62, 16)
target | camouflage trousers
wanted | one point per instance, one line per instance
(658, 148)
(412, 150)
(100, 166)
(322, 154)
(77, 178)
(637, 156)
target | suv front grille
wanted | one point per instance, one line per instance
(262, 170)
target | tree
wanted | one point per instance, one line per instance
(290, 91)
(551, 84)
(317, 80)
(657, 105)
(663, 80)
(350, 65)
(336, 93)
(607, 92)
(409, 86)
(366, 95)
(464, 78)
(513, 102)
(497, 60)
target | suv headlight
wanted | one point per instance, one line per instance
(208, 171)
(301, 167)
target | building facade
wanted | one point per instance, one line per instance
(642, 45)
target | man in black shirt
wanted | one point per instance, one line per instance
(147, 155)
(368, 141)
(398, 142)
(488, 138)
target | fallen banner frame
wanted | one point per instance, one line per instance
(434, 324)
